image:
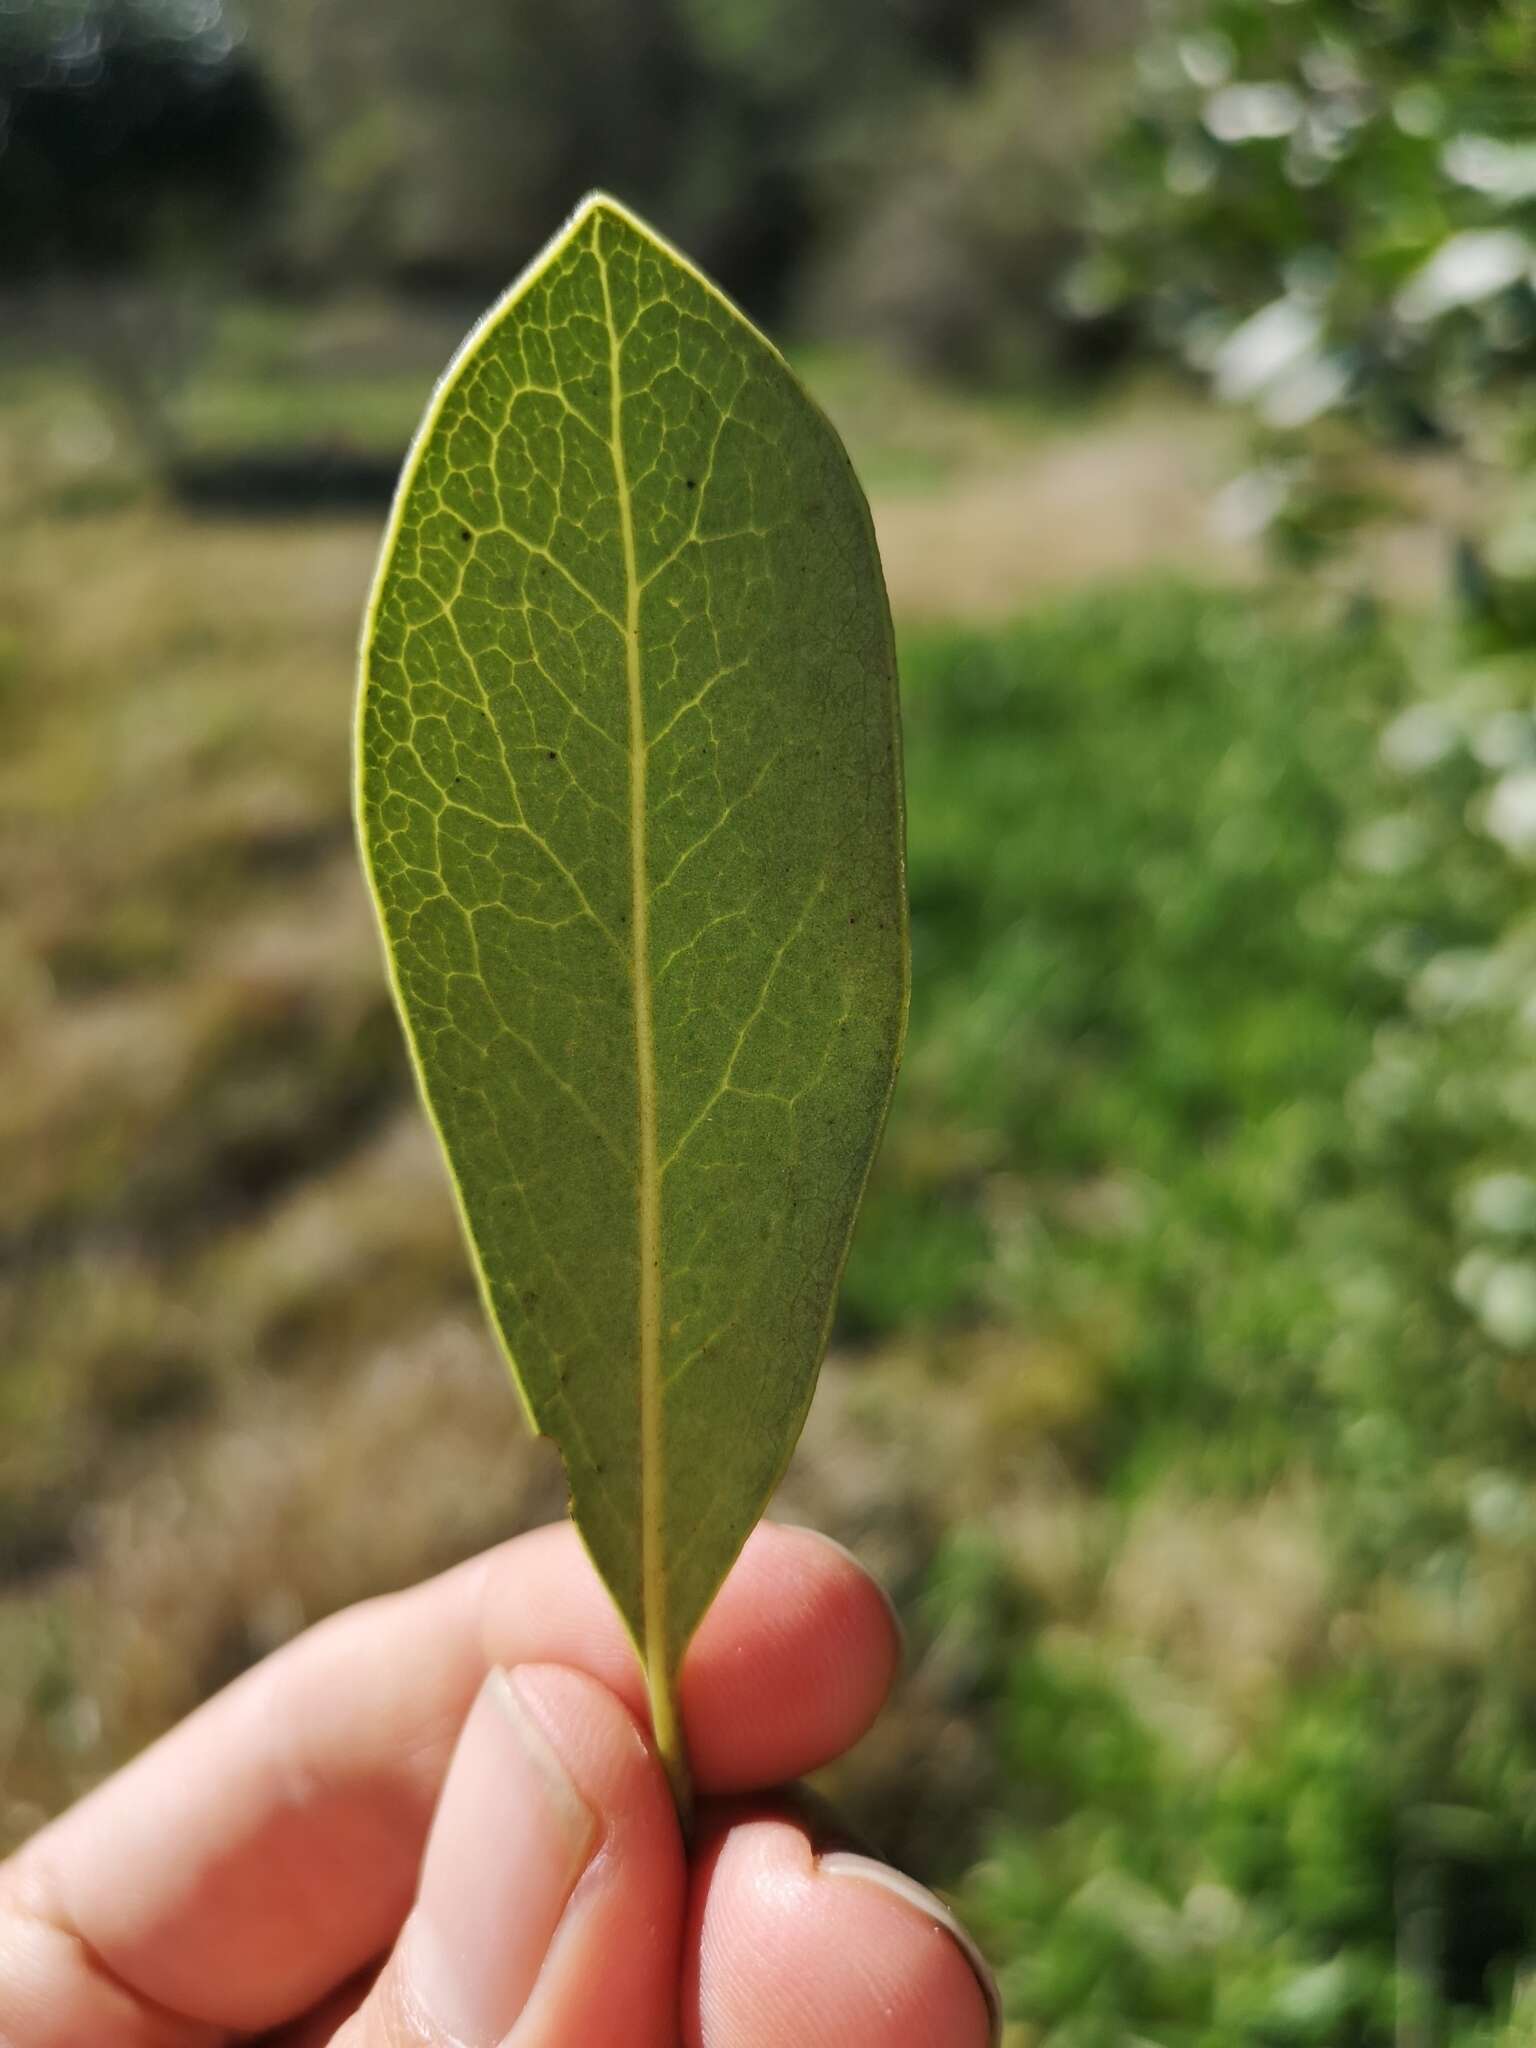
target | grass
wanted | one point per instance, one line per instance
(1218, 1094)
(1182, 1386)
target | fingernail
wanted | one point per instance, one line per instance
(864, 1572)
(511, 1837)
(842, 1864)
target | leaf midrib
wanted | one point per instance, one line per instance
(655, 1648)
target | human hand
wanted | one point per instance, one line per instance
(433, 1820)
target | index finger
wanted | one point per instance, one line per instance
(268, 1847)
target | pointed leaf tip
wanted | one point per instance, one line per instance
(630, 800)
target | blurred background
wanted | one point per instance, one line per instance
(1184, 1387)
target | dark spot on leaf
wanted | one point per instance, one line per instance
(553, 756)
(690, 484)
(464, 535)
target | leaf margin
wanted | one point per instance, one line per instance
(660, 1668)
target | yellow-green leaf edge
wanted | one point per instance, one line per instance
(658, 1631)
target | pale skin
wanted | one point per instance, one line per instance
(435, 1821)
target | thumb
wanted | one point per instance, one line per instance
(550, 1905)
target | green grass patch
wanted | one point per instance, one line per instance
(1221, 1087)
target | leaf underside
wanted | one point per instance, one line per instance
(630, 800)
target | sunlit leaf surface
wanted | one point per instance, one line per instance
(630, 795)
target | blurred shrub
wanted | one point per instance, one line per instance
(898, 170)
(903, 170)
(1330, 210)
(948, 228)
(137, 141)
(131, 131)
(444, 144)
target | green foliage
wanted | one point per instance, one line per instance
(630, 793)
(1351, 1866)
(1222, 1041)
(1122, 804)
(1362, 176)
(1331, 210)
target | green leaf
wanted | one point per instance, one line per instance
(630, 798)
